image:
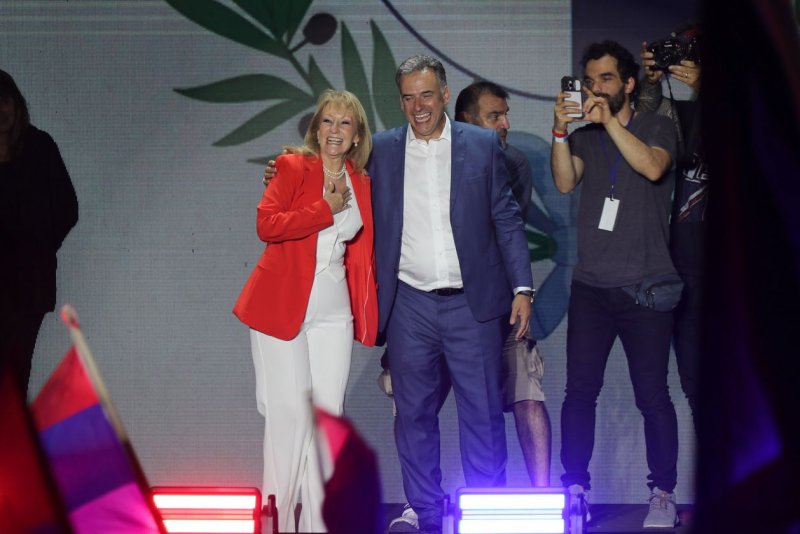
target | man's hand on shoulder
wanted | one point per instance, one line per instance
(271, 170)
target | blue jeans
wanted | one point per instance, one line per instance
(597, 316)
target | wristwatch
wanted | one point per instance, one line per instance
(528, 293)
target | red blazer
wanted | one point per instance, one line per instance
(290, 215)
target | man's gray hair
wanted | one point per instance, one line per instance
(421, 62)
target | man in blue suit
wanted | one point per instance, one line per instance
(452, 262)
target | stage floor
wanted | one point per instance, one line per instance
(627, 518)
(606, 518)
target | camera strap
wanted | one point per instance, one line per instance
(676, 119)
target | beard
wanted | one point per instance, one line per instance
(502, 134)
(615, 103)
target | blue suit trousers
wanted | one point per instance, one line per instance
(426, 333)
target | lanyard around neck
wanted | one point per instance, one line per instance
(613, 166)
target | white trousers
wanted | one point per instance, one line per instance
(315, 364)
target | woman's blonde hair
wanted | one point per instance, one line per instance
(348, 103)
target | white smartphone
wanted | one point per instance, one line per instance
(572, 85)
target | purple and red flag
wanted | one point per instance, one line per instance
(98, 475)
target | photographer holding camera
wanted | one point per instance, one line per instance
(678, 60)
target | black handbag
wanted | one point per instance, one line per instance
(659, 293)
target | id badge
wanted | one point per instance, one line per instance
(609, 215)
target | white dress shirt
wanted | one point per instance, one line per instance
(428, 258)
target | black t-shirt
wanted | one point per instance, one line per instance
(688, 227)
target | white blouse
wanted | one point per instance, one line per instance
(331, 240)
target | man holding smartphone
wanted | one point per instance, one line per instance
(623, 159)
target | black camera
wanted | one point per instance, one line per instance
(668, 52)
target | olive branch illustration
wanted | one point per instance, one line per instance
(271, 26)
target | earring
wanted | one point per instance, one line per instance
(356, 143)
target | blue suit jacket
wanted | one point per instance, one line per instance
(487, 227)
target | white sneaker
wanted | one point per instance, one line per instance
(580, 500)
(662, 513)
(407, 522)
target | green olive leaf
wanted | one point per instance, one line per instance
(229, 24)
(280, 10)
(261, 12)
(246, 88)
(296, 12)
(316, 79)
(384, 90)
(264, 122)
(355, 79)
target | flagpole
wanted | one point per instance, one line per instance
(70, 318)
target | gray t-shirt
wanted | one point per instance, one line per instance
(638, 246)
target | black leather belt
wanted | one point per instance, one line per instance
(447, 291)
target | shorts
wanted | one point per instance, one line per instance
(524, 368)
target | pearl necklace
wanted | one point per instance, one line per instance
(332, 174)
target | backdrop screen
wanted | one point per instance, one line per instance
(164, 117)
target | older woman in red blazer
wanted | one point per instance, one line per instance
(311, 293)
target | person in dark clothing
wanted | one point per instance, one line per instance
(38, 208)
(688, 220)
